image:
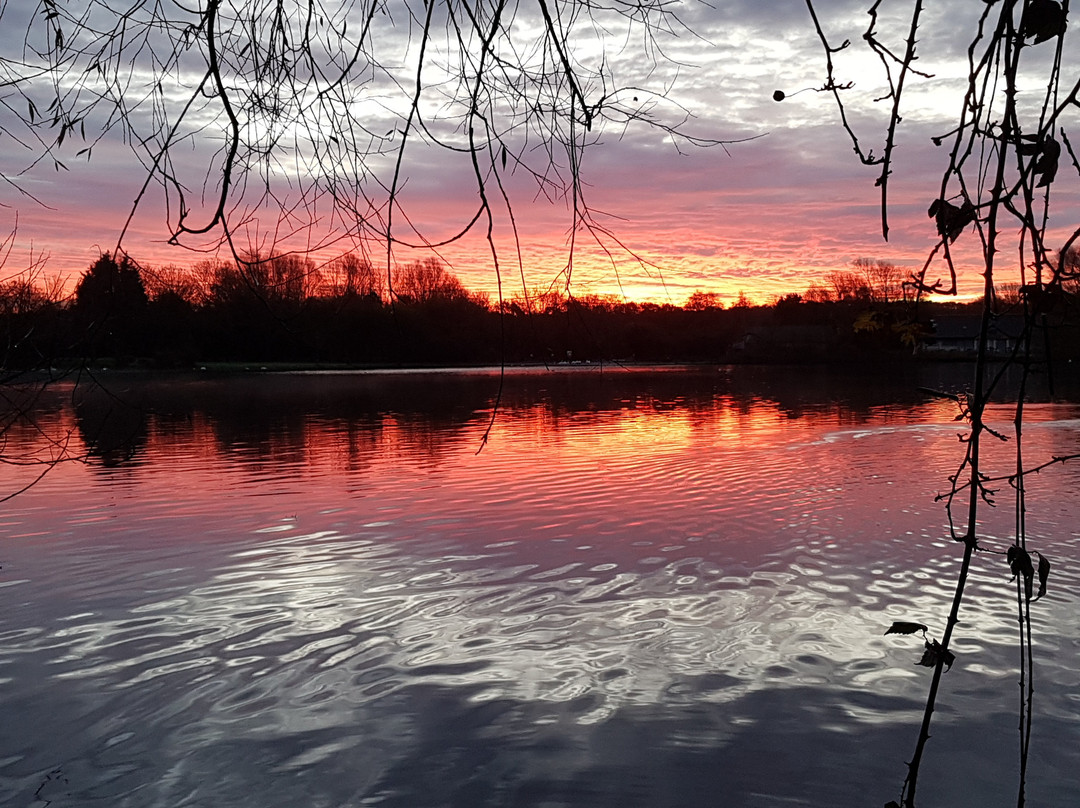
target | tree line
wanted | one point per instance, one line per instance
(286, 309)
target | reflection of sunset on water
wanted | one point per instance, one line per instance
(567, 453)
(703, 558)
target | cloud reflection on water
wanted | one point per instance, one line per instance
(668, 596)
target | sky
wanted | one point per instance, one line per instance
(778, 205)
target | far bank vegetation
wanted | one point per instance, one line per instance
(346, 312)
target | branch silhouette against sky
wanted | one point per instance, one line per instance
(576, 113)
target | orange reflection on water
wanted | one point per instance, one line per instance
(568, 454)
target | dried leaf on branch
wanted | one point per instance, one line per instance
(902, 627)
(933, 653)
(951, 220)
(1042, 20)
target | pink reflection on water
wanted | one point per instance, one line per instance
(567, 459)
(258, 563)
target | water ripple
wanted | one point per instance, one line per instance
(572, 623)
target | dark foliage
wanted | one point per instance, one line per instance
(282, 311)
(110, 308)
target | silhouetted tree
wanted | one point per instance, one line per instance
(817, 293)
(110, 306)
(173, 281)
(427, 281)
(788, 309)
(30, 315)
(881, 279)
(351, 275)
(292, 278)
(847, 285)
(700, 301)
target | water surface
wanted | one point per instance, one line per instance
(652, 589)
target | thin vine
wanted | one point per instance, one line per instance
(998, 186)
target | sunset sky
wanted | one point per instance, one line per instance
(765, 216)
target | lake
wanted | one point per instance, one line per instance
(663, 587)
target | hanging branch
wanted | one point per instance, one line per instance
(319, 110)
(1001, 168)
